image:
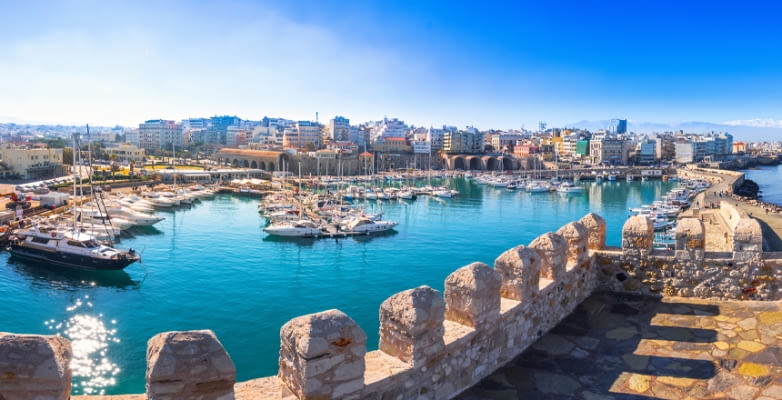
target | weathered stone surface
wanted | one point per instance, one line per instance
(689, 234)
(596, 228)
(34, 367)
(553, 247)
(472, 295)
(411, 325)
(576, 235)
(637, 233)
(189, 365)
(519, 270)
(747, 236)
(322, 353)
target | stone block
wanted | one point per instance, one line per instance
(596, 228)
(637, 234)
(577, 236)
(189, 365)
(519, 270)
(553, 248)
(34, 367)
(472, 295)
(690, 240)
(411, 325)
(747, 236)
(322, 354)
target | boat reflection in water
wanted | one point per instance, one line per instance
(47, 276)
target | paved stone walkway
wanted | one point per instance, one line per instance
(627, 347)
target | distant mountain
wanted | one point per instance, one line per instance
(752, 130)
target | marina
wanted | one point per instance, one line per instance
(211, 265)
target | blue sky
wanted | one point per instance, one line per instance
(490, 64)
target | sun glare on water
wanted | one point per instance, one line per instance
(90, 336)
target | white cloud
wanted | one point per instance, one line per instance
(756, 123)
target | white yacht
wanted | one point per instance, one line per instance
(567, 187)
(300, 228)
(367, 226)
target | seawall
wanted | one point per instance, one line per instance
(432, 345)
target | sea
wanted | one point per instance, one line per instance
(212, 267)
(770, 181)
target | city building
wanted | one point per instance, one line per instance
(684, 152)
(158, 134)
(388, 128)
(126, 152)
(303, 134)
(30, 163)
(607, 150)
(236, 136)
(218, 128)
(647, 152)
(463, 142)
(339, 129)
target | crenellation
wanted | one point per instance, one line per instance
(519, 270)
(35, 367)
(411, 325)
(472, 295)
(577, 237)
(322, 354)
(434, 346)
(596, 229)
(553, 248)
(190, 365)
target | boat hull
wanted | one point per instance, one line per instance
(73, 261)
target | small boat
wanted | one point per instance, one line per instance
(567, 187)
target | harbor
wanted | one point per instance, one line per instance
(210, 265)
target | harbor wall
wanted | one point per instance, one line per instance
(432, 345)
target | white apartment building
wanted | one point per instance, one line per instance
(303, 133)
(159, 134)
(388, 128)
(339, 129)
(236, 136)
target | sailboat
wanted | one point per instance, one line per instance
(68, 247)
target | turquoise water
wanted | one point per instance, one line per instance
(769, 179)
(211, 267)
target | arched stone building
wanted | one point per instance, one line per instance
(261, 159)
(481, 163)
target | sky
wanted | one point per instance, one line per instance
(489, 64)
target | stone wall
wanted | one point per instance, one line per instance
(432, 345)
(689, 271)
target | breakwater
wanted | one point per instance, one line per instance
(433, 345)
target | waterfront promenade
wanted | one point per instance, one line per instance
(714, 222)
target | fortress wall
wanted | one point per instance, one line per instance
(689, 271)
(432, 345)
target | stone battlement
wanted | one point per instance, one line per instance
(432, 345)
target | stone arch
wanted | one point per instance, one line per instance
(475, 163)
(245, 164)
(254, 164)
(507, 163)
(262, 165)
(235, 162)
(458, 163)
(492, 164)
(271, 167)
